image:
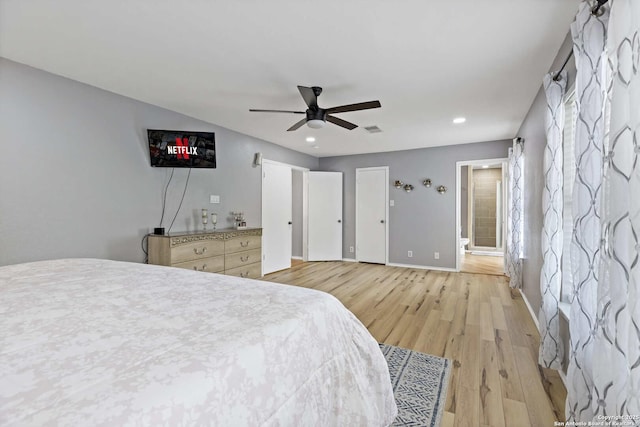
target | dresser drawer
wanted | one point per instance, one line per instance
(241, 258)
(196, 250)
(242, 243)
(252, 271)
(212, 264)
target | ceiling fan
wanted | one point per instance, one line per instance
(316, 117)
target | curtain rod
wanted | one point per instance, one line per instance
(566, 61)
(595, 10)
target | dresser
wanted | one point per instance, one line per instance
(230, 251)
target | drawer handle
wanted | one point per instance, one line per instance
(244, 244)
(201, 252)
(244, 275)
(244, 258)
(204, 267)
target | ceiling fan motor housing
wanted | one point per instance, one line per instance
(318, 114)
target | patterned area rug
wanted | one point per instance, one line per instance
(419, 385)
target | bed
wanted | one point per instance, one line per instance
(104, 343)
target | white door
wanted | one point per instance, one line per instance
(276, 217)
(325, 216)
(372, 185)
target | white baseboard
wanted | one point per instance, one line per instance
(562, 375)
(343, 259)
(531, 312)
(422, 267)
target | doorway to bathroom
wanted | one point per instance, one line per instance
(480, 214)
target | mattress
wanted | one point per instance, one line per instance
(87, 342)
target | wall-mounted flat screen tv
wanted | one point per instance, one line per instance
(181, 149)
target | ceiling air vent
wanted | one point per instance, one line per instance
(373, 129)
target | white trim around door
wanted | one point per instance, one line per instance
(459, 166)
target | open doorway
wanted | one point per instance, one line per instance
(480, 215)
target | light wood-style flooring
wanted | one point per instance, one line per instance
(475, 320)
(482, 264)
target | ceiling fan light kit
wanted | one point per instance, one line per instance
(316, 117)
(315, 124)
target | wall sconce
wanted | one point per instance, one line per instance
(441, 189)
(257, 160)
(398, 184)
(427, 183)
(408, 188)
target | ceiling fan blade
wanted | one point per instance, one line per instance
(354, 107)
(345, 124)
(309, 96)
(253, 110)
(297, 125)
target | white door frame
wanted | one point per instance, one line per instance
(386, 198)
(305, 198)
(459, 166)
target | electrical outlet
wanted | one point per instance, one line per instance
(410, 254)
(392, 202)
(436, 255)
(351, 249)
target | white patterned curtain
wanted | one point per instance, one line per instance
(617, 358)
(551, 347)
(589, 35)
(513, 253)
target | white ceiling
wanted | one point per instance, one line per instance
(426, 61)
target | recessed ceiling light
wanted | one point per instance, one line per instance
(485, 166)
(459, 120)
(311, 139)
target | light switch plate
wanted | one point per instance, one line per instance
(214, 199)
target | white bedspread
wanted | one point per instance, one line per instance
(87, 342)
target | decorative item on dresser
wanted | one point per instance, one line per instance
(232, 252)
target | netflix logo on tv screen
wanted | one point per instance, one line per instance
(180, 149)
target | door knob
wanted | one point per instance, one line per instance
(339, 220)
(289, 223)
(382, 221)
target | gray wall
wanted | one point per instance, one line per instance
(75, 179)
(533, 132)
(422, 221)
